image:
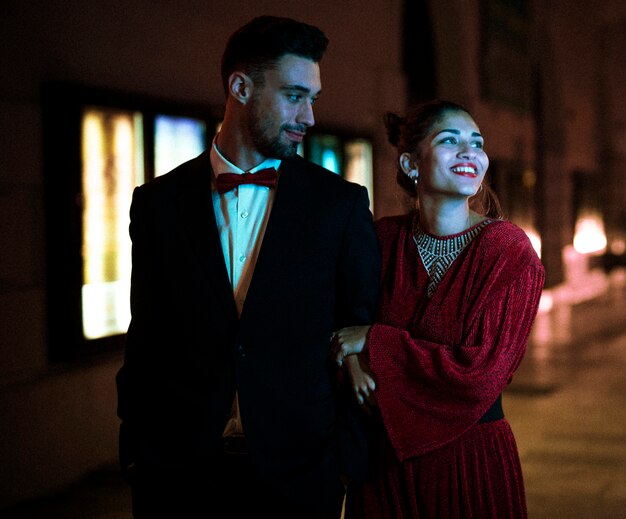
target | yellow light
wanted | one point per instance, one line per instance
(534, 238)
(589, 236)
(618, 246)
(359, 165)
(111, 168)
(546, 302)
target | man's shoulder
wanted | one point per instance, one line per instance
(316, 173)
(502, 241)
(299, 163)
(195, 168)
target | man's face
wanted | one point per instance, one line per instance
(281, 109)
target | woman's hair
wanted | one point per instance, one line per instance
(406, 133)
(260, 43)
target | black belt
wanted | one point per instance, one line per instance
(234, 445)
(494, 413)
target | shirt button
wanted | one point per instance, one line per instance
(244, 214)
(242, 259)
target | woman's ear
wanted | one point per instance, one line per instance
(240, 86)
(407, 163)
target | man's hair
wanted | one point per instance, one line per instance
(260, 43)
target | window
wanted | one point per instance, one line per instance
(112, 148)
(505, 64)
(349, 157)
(98, 147)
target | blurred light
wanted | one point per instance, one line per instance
(546, 302)
(359, 165)
(589, 235)
(325, 150)
(177, 139)
(529, 179)
(618, 278)
(534, 238)
(330, 161)
(112, 167)
(618, 246)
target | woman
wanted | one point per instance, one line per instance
(460, 290)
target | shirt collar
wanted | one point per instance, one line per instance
(221, 164)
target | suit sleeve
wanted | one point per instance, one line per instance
(127, 376)
(358, 267)
(358, 282)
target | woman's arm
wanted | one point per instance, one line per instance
(349, 351)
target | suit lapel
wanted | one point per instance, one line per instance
(282, 226)
(197, 218)
(293, 182)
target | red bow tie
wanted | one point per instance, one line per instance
(227, 181)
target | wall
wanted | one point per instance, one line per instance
(57, 421)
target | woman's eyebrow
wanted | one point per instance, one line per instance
(458, 132)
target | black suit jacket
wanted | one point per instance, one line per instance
(187, 350)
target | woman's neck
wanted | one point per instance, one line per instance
(443, 218)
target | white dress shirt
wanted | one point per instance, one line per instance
(241, 215)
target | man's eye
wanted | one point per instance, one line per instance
(294, 98)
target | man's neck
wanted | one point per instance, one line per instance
(233, 145)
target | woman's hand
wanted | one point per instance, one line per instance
(348, 350)
(363, 384)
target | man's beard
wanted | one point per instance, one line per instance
(267, 144)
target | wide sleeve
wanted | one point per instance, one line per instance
(430, 393)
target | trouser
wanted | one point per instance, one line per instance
(229, 488)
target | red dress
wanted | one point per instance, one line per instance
(440, 362)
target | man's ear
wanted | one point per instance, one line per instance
(240, 86)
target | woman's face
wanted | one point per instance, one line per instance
(451, 160)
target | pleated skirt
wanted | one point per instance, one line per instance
(478, 476)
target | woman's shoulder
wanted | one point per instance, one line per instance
(503, 238)
(505, 231)
(387, 225)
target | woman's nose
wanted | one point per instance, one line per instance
(466, 151)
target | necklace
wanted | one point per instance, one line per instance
(437, 254)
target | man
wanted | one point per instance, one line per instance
(227, 397)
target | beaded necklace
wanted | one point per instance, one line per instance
(438, 253)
